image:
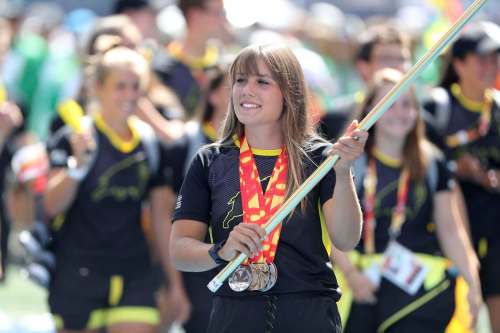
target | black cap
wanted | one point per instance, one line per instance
(481, 38)
(124, 5)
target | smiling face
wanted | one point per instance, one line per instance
(121, 77)
(257, 97)
(119, 93)
(400, 119)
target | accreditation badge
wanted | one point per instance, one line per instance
(402, 267)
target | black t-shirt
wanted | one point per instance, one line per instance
(186, 82)
(102, 227)
(211, 194)
(481, 204)
(418, 231)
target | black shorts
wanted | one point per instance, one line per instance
(490, 269)
(275, 313)
(201, 300)
(396, 311)
(80, 298)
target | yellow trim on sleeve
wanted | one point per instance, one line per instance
(115, 290)
(211, 235)
(133, 314)
(325, 237)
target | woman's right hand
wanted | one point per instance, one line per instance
(81, 145)
(244, 238)
(363, 290)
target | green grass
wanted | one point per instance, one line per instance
(19, 297)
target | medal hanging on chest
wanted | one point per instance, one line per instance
(260, 272)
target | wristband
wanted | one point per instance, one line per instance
(214, 253)
(74, 172)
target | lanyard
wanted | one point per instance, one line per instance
(257, 206)
(398, 214)
(464, 136)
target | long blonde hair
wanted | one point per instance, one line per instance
(298, 134)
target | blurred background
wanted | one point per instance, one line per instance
(324, 32)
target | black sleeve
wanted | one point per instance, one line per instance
(429, 110)
(326, 184)
(194, 200)
(445, 180)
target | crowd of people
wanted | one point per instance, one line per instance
(139, 163)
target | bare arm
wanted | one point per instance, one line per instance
(59, 193)
(166, 130)
(61, 187)
(363, 290)
(189, 252)
(162, 201)
(457, 246)
(343, 214)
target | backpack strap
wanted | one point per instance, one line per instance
(359, 171)
(432, 174)
(443, 108)
(195, 139)
(150, 144)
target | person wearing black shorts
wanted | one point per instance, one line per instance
(267, 143)
(104, 276)
(402, 275)
(465, 114)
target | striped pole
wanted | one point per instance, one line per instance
(382, 106)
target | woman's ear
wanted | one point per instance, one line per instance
(459, 66)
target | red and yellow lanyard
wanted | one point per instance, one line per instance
(398, 215)
(257, 206)
(480, 129)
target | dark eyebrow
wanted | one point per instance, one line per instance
(266, 76)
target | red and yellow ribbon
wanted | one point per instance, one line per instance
(257, 206)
